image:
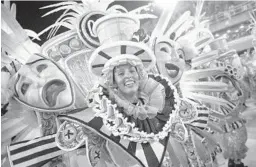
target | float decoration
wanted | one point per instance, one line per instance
(185, 73)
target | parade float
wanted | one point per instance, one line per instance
(105, 94)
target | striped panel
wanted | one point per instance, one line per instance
(202, 118)
(35, 152)
(233, 126)
(26, 150)
(21, 144)
(158, 149)
(237, 124)
(140, 154)
(149, 154)
(132, 148)
(225, 111)
(226, 128)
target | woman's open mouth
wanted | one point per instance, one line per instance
(172, 70)
(51, 91)
(129, 83)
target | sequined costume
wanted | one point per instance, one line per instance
(67, 114)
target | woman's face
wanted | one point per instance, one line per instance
(127, 79)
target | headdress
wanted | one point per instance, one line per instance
(116, 46)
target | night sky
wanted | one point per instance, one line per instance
(29, 14)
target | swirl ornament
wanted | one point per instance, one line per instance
(178, 130)
(85, 26)
(48, 123)
(187, 112)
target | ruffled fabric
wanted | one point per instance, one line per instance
(161, 97)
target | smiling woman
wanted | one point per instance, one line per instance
(126, 77)
(140, 98)
(133, 90)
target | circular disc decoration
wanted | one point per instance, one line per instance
(83, 29)
(70, 136)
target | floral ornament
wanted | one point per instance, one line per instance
(178, 130)
(187, 112)
(193, 114)
(119, 124)
(47, 121)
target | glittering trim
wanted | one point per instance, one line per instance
(115, 121)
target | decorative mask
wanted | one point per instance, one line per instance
(170, 59)
(42, 85)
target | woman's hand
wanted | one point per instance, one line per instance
(140, 112)
(121, 102)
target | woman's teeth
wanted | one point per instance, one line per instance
(129, 83)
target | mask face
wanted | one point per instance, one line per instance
(170, 61)
(44, 86)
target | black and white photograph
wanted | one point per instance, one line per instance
(127, 83)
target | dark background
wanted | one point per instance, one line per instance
(29, 14)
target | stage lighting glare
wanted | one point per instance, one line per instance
(168, 4)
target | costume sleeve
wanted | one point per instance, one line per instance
(156, 97)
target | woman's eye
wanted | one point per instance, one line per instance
(132, 71)
(121, 74)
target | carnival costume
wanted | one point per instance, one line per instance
(183, 115)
